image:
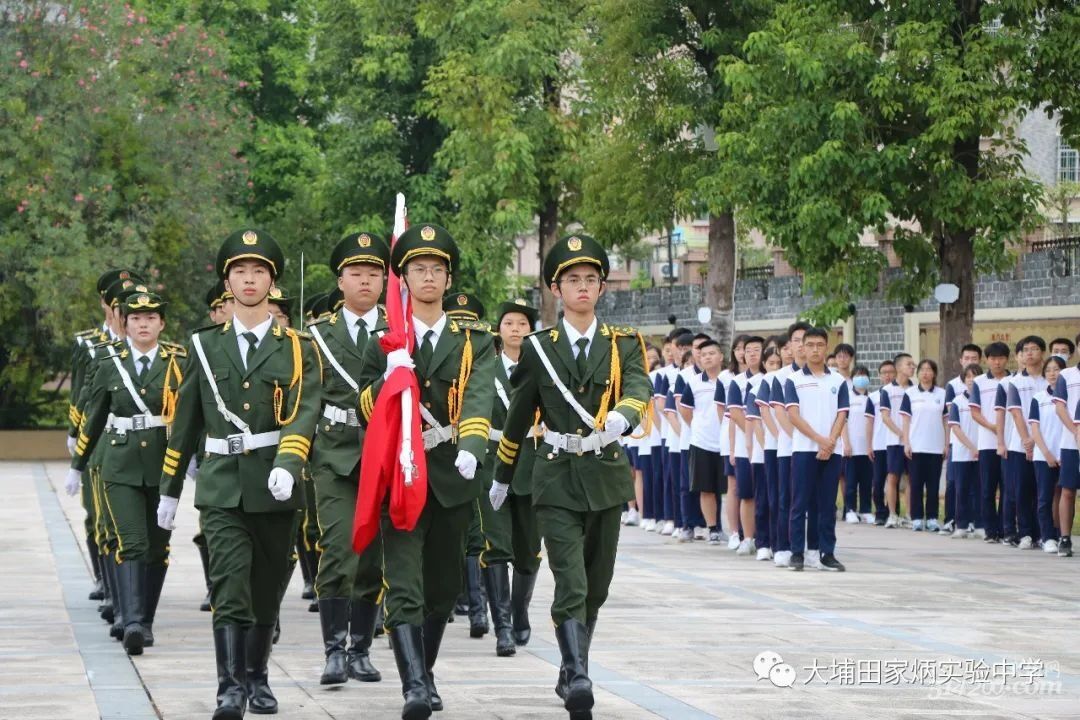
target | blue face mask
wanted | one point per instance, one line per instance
(861, 382)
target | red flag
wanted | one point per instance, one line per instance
(381, 468)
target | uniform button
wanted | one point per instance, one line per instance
(616, 454)
(247, 452)
(142, 444)
(427, 383)
(206, 455)
(551, 456)
(246, 384)
(581, 389)
(113, 442)
(427, 405)
(143, 391)
(247, 406)
(327, 428)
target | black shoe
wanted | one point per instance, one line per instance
(573, 637)
(829, 562)
(361, 631)
(313, 606)
(334, 618)
(1065, 547)
(497, 582)
(230, 649)
(131, 575)
(520, 596)
(409, 655)
(155, 581)
(261, 700)
(478, 621)
(277, 629)
(1011, 541)
(308, 593)
(204, 556)
(461, 605)
(380, 619)
(879, 521)
(434, 627)
(109, 608)
(991, 539)
(98, 593)
(796, 562)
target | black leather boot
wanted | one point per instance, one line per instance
(380, 619)
(306, 569)
(573, 637)
(408, 645)
(106, 609)
(132, 581)
(98, 593)
(520, 596)
(434, 628)
(230, 649)
(361, 632)
(155, 581)
(334, 618)
(560, 686)
(497, 583)
(259, 641)
(204, 555)
(478, 621)
(116, 631)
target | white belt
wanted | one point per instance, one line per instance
(437, 436)
(341, 415)
(495, 435)
(574, 443)
(241, 443)
(124, 425)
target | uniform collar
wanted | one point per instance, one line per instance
(135, 354)
(572, 335)
(260, 330)
(421, 329)
(370, 318)
(507, 363)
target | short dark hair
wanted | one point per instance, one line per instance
(709, 342)
(781, 339)
(931, 364)
(685, 340)
(671, 336)
(754, 339)
(1066, 342)
(1032, 340)
(844, 348)
(885, 363)
(770, 352)
(816, 332)
(798, 325)
(996, 349)
(830, 356)
(900, 356)
(972, 369)
(971, 347)
(702, 336)
(1053, 359)
(860, 370)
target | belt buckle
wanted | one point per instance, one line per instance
(351, 418)
(138, 422)
(430, 440)
(235, 444)
(573, 444)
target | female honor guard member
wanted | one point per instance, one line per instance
(347, 585)
(252, 390)
(132, 391)
(455, 366)
(589, 381)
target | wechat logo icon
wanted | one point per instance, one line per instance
(769, 665)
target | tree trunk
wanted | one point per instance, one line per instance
(720, 284)
(957, 253)
(549, 234)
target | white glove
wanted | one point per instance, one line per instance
(71, 446)
(397, 358)
(280, 483)
(192, 468)
(72, 482)
(166, 512)
(615, 424)
(497, 494)
(466, 464)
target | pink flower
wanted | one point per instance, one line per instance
(23, 64)
(78, 197)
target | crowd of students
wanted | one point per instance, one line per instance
(783, 427)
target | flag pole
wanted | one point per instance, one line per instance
(405, 456)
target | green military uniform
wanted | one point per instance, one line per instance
(257, 440)
(510, 534)
(579, 477)
(124, 414)
(422, 567)
(348, 585)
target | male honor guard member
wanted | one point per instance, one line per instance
(348, 585)
(131, 394)
(250, 396)
(510, 534)
(454, 363)
(588, 379)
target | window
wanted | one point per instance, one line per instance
(1068, 163)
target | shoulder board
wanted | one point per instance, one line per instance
(459, 325)
(298, 333)
(175, 349)
(544, 331)
(323, 321)
(106, 343)
(204, 328)
(622, 330)
(87, 333)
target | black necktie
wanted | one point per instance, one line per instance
(144, 362)
(251, 339)
(510, 370)
(427, 349)
(361, 334)
(582, 360)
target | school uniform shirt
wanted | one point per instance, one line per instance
(1043, 413)
(699, 395)
(685, 375)
(1022, 387)
(954, 387)
(1001, 401)
(890, 398)
(926, 408)
(983, 394)
(819, 399)
(722, 382)
(736, 397)
(879, 442)
(660, 390)
(763, 398)
(776, 400)
(960, 416)
(860, 413)
(1067, 392)
(753, 416)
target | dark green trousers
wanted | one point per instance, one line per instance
(87, 497)
(310, 526)
(104, 527)
(343, 573)
(132, 511)
(511, 534)
(581, 548)
(249, 560)
(474, 539)
(422, 568)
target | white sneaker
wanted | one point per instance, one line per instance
(766, 553)
(685, 535)
(813, 559)
(649, 525)
(869, 518)
(948, 527)
(1026, 544)
(971, 528)
(701, 533)
(932, 525)
(669, 527)
(622, 518)
(892, 522)
(905, 522)
(1050, 546)
(633, 517)
(733, 541)
(851, 517)
(714, 538)
(979, 534)
(782, 558)
(916, 525)
(959, 534)
(746, 547)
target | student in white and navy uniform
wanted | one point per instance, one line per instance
(706, 468)
(970, 354)
(690, 501)
(671, 480)
(983, 394)
(669, 437)
(727, 469)
(755, 438)
(649, 448)
(886, 374)
(737, 390)
(1020, 472)
(1067, 399)
(760, 412)
(782, 552)
(890, 397)
(924, 412)
(1046, 430)
(817, 403)
(964, 456)
(857, 448)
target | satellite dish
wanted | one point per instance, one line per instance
(704, 315)
(946, 293)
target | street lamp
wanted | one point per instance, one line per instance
(519, 243)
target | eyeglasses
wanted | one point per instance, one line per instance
(436, 271)
(574, 281)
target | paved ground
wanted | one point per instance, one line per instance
(919, 626)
